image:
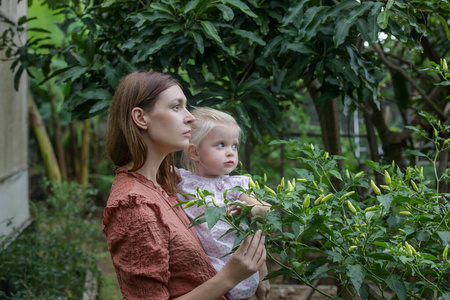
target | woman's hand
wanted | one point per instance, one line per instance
(247, 259)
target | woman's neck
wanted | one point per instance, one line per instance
(151, 166)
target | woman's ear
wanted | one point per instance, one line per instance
(140, 118)
(192, 152)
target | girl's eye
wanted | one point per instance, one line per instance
(235, 146)
(221, 145)
(176, 107)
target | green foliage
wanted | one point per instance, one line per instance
(340, 224)
(50, 259)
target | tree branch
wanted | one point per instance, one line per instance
(393, 66)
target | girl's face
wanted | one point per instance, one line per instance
(169, 122)
(218, 152)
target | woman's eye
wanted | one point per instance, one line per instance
(176, 107)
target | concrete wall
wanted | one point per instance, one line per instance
(14, 209)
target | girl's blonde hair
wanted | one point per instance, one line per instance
(206, 119)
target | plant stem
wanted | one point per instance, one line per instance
(298, 276)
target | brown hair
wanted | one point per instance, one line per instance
(124, 141)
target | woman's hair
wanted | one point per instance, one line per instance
(206, 119)
(125, 143)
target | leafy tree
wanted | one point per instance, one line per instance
(248, 57)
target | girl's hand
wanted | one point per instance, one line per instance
(235, 209)
(247, 259)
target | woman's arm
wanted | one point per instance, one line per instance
(247, 259)
(264, 285)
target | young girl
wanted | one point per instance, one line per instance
(211, 155)
(155, 256)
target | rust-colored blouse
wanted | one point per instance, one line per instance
(153, 252)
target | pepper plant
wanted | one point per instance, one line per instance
(391, 239)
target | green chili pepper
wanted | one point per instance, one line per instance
(445, 253)
(405, 213)
(352, 247)
(189, 204)
(347, 174)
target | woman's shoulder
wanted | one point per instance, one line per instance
(131, 188)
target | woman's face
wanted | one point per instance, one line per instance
(169, 127)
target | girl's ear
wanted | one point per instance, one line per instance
(140, 118)
(192, 152)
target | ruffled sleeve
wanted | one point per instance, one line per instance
(138, 240)
(234, 181)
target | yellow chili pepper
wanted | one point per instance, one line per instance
(307, 201)
(387, 178)
(257, 185)
(352, 247)
(375, 188)
(199, 191)
(359, 174)
(326, 198)
(318, 200)
(346, 195)
(347, 174)
(251, 183)
(351, 207)
(270, 191)
(405, 213)
(370, 208)
(445, 253)
(414, 186)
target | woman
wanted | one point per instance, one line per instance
(153, 252)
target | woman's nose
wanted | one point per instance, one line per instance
(189, 118)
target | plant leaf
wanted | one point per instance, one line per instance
(211, 31)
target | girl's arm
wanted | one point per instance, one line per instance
(260, 208)
(247, 259)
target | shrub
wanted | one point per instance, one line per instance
(50, 259)
(393, 238)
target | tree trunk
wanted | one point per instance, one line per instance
(58, 134)
(329, 119)
(84, 161)
(45, 146)
(373, 145)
